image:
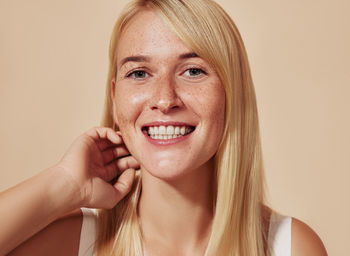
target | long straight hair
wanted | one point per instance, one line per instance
(238, 224)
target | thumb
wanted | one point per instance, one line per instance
(106, 196)
(124, 183)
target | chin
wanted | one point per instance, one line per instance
(166, 172)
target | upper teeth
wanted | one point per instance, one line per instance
(168, 130)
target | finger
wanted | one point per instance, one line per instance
(104, 137)
(110, 134)
(106, 196)
(117, 167)
(124, 183)
(109, 172)
(104, 144)
(111, 154)
(126, 163)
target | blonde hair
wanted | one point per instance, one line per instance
(238, 224)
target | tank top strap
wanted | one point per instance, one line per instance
(88, 232)
(280, 232)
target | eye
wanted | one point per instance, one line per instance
(137, 74)
(194, 72)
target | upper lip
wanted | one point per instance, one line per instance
(167, 123)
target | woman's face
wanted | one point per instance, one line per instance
(169, 103)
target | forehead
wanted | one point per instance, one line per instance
(147, 34)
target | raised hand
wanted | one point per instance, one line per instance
(80, 179)
(94, 159)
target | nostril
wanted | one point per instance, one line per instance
(167, 105)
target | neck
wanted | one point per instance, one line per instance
(177, 213)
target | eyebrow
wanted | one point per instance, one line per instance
(137, 58)
(143, 58)
(189, 55)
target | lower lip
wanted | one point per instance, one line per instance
(160, 142)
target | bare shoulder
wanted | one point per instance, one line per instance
(61, 237)
(305, 241)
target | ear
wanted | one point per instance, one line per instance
(114, 109)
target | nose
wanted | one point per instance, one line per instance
(165, 97)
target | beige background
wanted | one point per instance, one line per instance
(53, 65)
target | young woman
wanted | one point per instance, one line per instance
(181, 108)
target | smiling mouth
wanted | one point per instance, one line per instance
(167, 132)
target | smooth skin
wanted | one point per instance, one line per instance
(177, 201)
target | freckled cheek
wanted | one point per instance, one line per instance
(217, 99)
(129, 105)
(209, 103)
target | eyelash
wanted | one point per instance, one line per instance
(134, 72)
(197, 69)
(129, 75)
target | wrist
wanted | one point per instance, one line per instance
(63, 192)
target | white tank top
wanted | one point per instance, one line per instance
(279, 233)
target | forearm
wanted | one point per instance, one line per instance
(31, 205)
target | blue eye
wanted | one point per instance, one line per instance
(194, 72)
(138, 74)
